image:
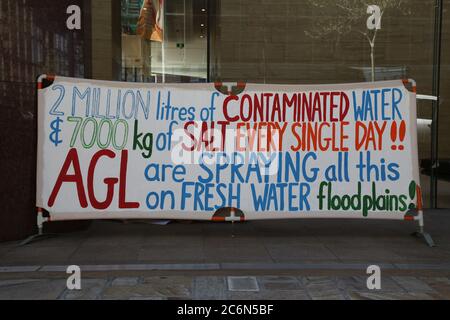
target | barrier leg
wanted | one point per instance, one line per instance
(40, 224)
(421, 233)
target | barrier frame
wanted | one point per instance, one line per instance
(42, 216)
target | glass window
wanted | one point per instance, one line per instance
(332, 41)
(177, 54)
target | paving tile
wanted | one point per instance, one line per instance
(169, 240)
(33, 289)
(242, 253)
(300, 252)
(318, 283)
(270, 295)
(277, 279)
(4, 249)
(132, 292)
(91, 289)
(439, 284)
(276, 240)
(4, 284)
(228, 241)
(181, 280)
(326, 294)
(439, 295)
(242, 283)
(15, 269)
(8, 245)
(152, 288)
(322, 287)
(359, 283)
(104, 254)
(389, 296)
(352, 283)
(157, 254)
(147, 298)
(351, 236)
(369, 254)
(36, 254)
(173, 286)
(412, 284)
(209, 288)
(125, 281)
(279, 283)
(68, 240)
(125, 240)
(281, 286)
(418, 252)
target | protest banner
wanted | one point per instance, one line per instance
(116, 150)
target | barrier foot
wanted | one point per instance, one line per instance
(419, 218)
(36, 237)
(40, 235)
(425, 236)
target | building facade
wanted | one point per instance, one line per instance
(261, 41)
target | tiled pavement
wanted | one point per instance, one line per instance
(215, 287)
(270, 242)
(296, 259)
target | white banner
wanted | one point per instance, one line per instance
(184, 151)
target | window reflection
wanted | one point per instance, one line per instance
(31, 44)
(180, 56)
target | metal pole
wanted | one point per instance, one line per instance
(438, 10)
(208, 41)
(163, 44)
